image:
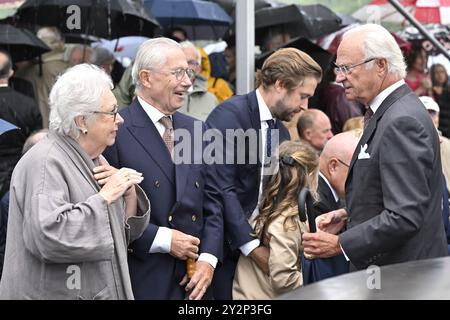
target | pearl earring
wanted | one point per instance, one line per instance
(85, 131)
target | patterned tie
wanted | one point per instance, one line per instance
(367, 115)
(271, 125)
(168, 133)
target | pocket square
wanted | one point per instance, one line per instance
(363, 154)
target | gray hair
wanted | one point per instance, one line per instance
(100, 56)
(34, 138)
(188, 44)
(379, 43)
(51, 37)
(77, 92)
(151, 54)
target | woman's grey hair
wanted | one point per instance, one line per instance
(151, 54)
(379, 43)
(77, 92)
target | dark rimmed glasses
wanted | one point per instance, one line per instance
(342, 162)
(111, 113)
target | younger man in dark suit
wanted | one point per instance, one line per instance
(284, 84)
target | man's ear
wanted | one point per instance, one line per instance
(382, 65)
(332, 164)
(145, 78)
(279, 85)
(307, 134)
(10, 73)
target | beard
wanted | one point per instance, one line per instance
(282, 112)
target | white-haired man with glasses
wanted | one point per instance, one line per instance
(393, 188)
(186, 220)
(199, 102)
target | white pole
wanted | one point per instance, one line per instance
(245, 46)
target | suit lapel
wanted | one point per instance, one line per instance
(328, 194)
(145, 132)
(255, 120)
(369, 131)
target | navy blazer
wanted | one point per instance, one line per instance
(394, 190)
(184, 197)
(240, 182)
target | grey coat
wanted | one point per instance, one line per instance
(63, 240)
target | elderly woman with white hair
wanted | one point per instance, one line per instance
(71, 214)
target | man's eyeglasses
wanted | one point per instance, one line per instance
(346, 70)
(112, 113)
(342, 162)
(180, 72)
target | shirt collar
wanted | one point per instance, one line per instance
(335, 195)
(264, 111)
(154, 114)
(378, 100)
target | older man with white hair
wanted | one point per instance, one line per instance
(393, 190)
(199, 102)
(186, 221)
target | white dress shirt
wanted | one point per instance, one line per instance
(163, 238)
(264, 115)
(335, 195)
(378, 100)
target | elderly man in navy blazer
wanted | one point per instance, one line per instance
(284, 84)
(186, 221)
(394, 185)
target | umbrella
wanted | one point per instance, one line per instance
(425, 11)
(201, 19)
(21, 44)
(310, 21)
(230, 5)
(5, 126)
(331, 42)
(321, 56)
(102, 18)
(317, 269)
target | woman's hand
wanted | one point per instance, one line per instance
(118, 184)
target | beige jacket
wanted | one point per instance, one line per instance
(285, 246)
(53, 65)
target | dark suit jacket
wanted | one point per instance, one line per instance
(183, 197)
(394, 197)
(20, 110)
(326, 201)
(240, 182)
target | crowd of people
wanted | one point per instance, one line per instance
(102, 204)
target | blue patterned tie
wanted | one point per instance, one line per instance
(271, 125)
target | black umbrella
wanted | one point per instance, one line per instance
(298, 21)
(230, 5)
(102, 18)
(321, 56)
(21, 44)
(202, 20)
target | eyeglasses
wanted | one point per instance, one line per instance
(342, 162)
(112, 113)
(193, 63)
(346, 70)
(180, 72)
